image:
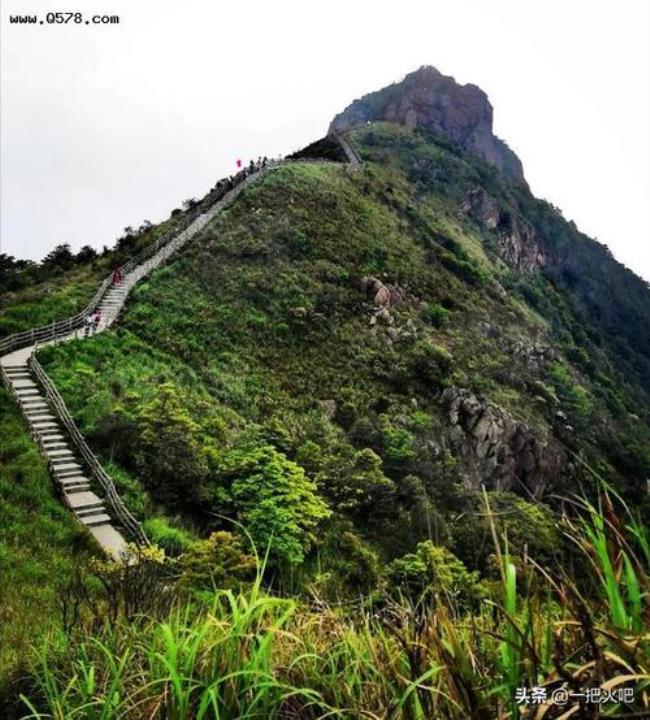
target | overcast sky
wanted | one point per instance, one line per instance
(104, 126)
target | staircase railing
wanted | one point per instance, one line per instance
(113, 500)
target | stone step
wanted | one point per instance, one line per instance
(65, 469)
(76, 487)
(35, 407)
(43, 424)
(92, 520)
(109, 538)
(77, 478)
(33, 419)
(49, 433)
(56, 445)
(25, 401)
(22, 383)
(90, 512)
(28, 392)
(61, 454)
(83, 500)
(19, 375)
(39, 415)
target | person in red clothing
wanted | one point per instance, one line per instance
(117, 275)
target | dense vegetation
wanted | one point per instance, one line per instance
(255, 395)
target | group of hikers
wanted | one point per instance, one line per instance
(254, 165)
(243, 172)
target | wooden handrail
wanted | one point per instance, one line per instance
(115, 503)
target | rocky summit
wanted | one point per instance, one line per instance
(428, 99)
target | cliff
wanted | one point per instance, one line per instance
(428, 99)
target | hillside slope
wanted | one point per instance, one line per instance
(400, 335)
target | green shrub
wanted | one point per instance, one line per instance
(435, 314)
(434, 570)
(429, 362)
(218, 562)
(169, 455)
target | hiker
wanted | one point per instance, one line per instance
(117, 275)
(96, 321)
(90, 321)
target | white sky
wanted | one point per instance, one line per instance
(104, 126)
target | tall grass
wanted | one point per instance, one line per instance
(250, 654)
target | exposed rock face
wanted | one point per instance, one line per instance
(518, 246)
(483, 208)
(427, 98)
(496, 450)
(516, 240)
(537, 357)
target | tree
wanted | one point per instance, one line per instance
(10, 272)
(86, 254)
(274, 499)
(60, 258)
(169, 456)
(354, 480)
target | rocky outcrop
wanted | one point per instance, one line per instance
(518, 246)
(537, 357)
(516, 240)
(426, 98)
(482, 207)
(496, 450)
(385, 296)
(382, 295)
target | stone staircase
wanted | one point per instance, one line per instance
(67, 468)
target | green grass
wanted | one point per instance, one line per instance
(56, 298)
(39, 544)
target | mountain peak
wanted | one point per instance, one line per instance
(427, 98)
